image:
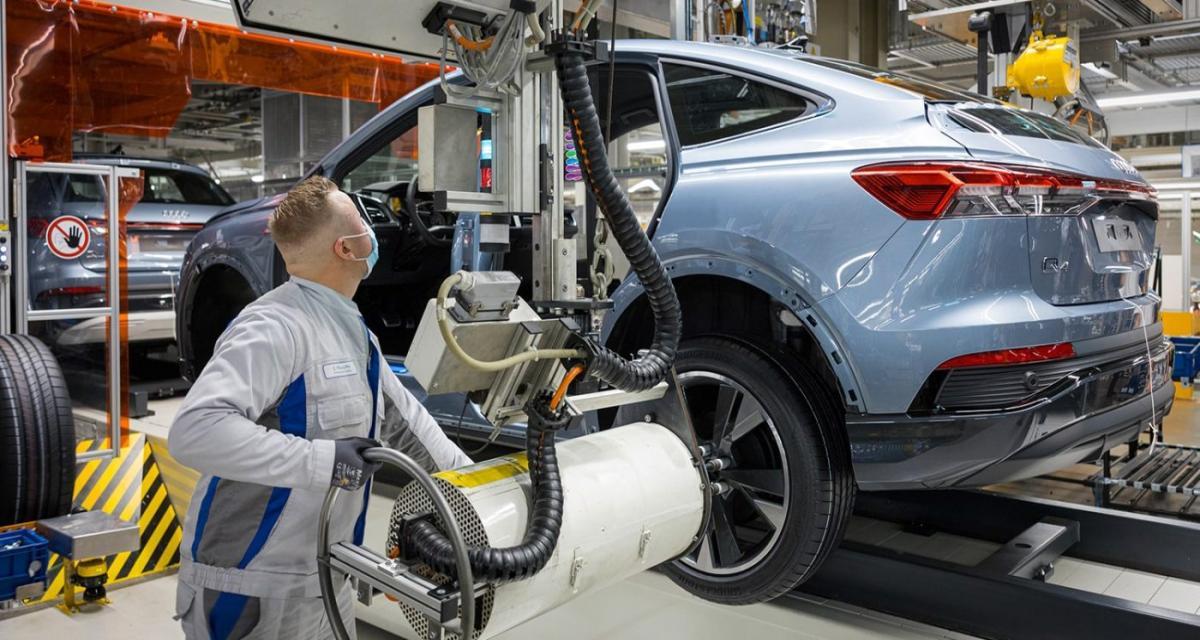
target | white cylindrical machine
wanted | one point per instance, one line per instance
(632, 499)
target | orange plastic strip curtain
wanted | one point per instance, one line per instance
(130, 191)
(93, 66)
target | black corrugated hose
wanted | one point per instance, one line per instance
(651, 366)
(425, 541)
(422, 538)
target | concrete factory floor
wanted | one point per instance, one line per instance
(648, 607)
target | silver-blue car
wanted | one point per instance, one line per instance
(886, 284)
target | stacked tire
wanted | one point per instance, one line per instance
(37, 433)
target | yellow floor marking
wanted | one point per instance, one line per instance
(172, 546)
(118, 563)
(106, 476)
(155, 538)
(114, 498)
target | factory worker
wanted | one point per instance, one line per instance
(295, 391)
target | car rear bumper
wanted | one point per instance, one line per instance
(146, 326)
(144, 291)
(1094, 407)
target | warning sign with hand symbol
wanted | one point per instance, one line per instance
(67, 237)
(74, 237)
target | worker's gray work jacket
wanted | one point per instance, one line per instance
(296, 370)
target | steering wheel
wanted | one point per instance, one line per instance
(437, 235)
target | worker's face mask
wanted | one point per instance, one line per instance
(370, 258)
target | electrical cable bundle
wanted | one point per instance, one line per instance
(422, 539)
(652, 366)
(488, 62)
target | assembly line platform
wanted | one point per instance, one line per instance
(902, 554)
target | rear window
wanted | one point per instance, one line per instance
(711, 104)
(1007, 121)
(84, 188)
(969, 110)
(166, 186)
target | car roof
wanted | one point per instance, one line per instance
(133, 161)
(782, 64)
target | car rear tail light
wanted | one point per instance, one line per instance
(928, 190)
(73, 291)
(164, 226)
(37, 227)
(1042, 353)
(68, 297)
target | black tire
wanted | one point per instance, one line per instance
(37, 433)
(203, 313)
(798, 450)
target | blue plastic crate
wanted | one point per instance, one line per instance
(1187, 358)
(23, 559)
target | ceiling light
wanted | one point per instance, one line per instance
(1178, 194)
(647, 145)
(645, 185)
(256, 179)
(1140, 99)
(1155, 159)
(1175, 186)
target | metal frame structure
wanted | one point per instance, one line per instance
(1162, 469)
(24, 315)
(1188, 154)
(1005, 596)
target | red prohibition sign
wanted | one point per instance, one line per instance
(68, 237)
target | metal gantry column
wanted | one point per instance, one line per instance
(1185, 231)
(681, 19)
(556, 255)
(1187, 156)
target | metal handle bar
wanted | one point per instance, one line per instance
(466, 582)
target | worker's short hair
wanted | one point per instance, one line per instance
(303, 211)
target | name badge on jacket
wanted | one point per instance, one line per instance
(339, 369)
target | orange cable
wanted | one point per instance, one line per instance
(467, 43)
(561, 392)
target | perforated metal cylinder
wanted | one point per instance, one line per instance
(632, 500)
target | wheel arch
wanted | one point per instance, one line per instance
(722, 296)
(221, 284)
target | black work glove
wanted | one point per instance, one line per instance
(350, 470)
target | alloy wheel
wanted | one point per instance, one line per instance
(748, 468)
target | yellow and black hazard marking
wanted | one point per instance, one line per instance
(128, 486)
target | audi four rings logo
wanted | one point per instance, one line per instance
(174, 214)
